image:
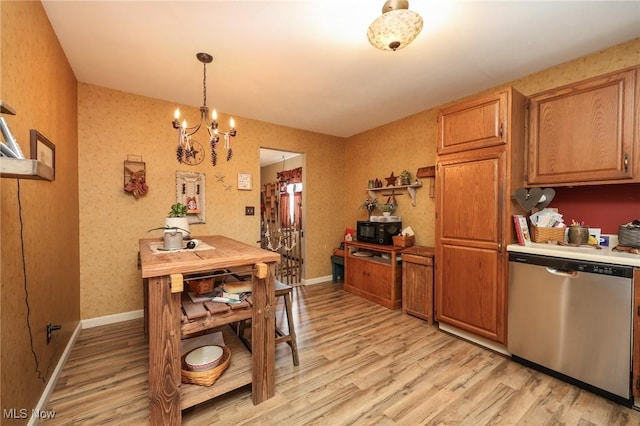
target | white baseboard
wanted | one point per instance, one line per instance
(51, 384)
(494, 346)
(111, 319)
(89, 323)
(317, 280)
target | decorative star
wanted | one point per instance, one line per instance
(391, 180)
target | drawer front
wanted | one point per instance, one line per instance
(422, 260)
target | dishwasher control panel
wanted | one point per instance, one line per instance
(573, 265)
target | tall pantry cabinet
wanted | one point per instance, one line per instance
(479, 163)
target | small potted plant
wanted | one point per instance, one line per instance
(405, 177)
(388, 209)
(177, 218)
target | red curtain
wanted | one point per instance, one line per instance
(297, 213)
(285, 178)
(290, 176)
(284, 209)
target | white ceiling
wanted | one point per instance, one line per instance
(272, 156)
(309, 65)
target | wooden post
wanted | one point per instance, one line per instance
(164, 353)
(263, 335)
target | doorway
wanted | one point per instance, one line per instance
(282, 213)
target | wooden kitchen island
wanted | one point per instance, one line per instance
(163, 274)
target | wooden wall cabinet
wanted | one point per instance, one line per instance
(473, 215)
(478, 123)
(373, 278)
(417, 282)
(585, 133)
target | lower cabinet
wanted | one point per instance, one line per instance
(373, 272)
(417, 282)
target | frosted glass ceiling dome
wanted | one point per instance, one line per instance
(396, 27)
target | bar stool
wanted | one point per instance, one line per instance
(284, 291)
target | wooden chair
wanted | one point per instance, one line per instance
(284, 291)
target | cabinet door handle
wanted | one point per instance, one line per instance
(626, 162)
(500, 131)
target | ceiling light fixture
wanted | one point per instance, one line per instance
(396, 28)
(187, 148)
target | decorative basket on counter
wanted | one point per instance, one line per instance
(206, 377)
(629, 235)
(403, 240)
(543, 235)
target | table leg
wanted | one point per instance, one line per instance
(164, 353)
(145, 307)
(263, 337)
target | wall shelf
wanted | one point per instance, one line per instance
(411, 189)
(20, 168)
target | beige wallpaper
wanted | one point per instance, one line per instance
(405, 144)
(42, 217)
(113, 125)
(409, 143)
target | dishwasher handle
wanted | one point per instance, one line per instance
(562, 273)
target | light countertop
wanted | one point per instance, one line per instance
(604, 255)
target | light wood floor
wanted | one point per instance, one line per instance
(360, 364)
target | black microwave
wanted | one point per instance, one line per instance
(377, 232)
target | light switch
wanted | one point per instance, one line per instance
(249, 210)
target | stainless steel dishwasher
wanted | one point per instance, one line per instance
(573, 319)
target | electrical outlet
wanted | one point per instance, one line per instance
(50, 329)
(249, 210)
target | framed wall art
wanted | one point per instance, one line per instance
(190, 191)
(244, 181)
(43, 150)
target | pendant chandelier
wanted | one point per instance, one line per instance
(188, 147)
(396, 27)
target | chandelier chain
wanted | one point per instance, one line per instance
(204, 84)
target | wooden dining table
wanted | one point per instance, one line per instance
(164, 273)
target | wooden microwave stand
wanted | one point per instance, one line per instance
(374, 278)
(162, 273)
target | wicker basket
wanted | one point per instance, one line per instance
(206, 377)
(543, 235)
(403, 240)
(202, 286)
(629, 236)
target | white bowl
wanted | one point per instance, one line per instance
(203, 358)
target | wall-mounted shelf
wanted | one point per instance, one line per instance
(21, 168)
(411, 189)
(429, 172)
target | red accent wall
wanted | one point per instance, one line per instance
(604, 206)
